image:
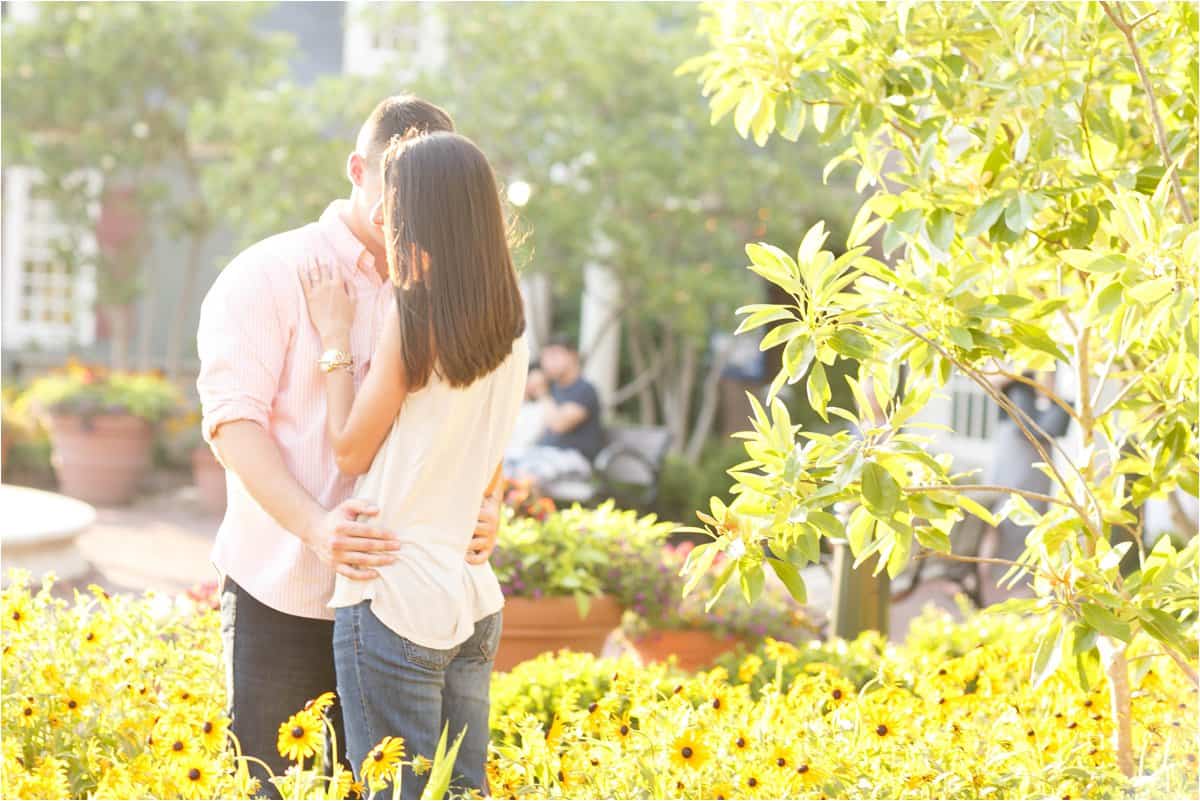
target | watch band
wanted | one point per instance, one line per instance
(335, 360)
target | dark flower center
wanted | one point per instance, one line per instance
(208, 727)
(593, 706)
(781, 762)
(753, 782)
(881, 729)
(298, 732)
(378, 756)
(802, 769)
(194, 774)
(624, 730)
(687, 752)
(716, 703)
(741, 742)
(837, 695)
(72, 704)
(177, 745)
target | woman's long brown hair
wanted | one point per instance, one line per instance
(448, 257)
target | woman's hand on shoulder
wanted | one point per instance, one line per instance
(330, 303)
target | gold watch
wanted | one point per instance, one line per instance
(335, 360)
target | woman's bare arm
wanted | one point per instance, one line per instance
(358, 424)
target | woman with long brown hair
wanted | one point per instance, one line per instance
(427, 428)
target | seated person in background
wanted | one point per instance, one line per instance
(572, 433)
(531, 419)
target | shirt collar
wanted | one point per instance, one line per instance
(346, 246)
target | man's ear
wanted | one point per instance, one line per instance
(355, 167)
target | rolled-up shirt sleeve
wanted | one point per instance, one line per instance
(242, 342)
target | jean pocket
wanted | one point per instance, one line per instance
(428, 658)
(489, 640)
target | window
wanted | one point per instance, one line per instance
(48, 300)
(406, 45)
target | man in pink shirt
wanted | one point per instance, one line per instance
(291, 524)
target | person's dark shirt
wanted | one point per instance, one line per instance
(588, 436)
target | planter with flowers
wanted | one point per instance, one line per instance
(662, 623)
(567, 578)
(101, 427)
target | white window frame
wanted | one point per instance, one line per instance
(367, 52)
(21, 226)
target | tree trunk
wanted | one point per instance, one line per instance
(861, 602)
(647, 414)
(709, 401)
(1116, 667)
(118, 315)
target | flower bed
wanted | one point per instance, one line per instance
(99, 692)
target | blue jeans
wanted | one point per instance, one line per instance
(274, 664)
(390, 686)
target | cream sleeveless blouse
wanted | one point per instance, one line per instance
(428, 480)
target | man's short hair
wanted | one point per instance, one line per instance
(562, 341)
(396, 116)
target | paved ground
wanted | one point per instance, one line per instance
(162, 542)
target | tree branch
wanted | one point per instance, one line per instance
(1036, 496)
(1160, 131)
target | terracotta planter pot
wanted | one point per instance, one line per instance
(103, 460)
(694, 648)
(209, 477)
(548, 624)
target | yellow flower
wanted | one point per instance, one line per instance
(380, 765)
(881, 723)
(17, 611)
(719, 703)
(749, 668)
(75, 701)
(213, 733)
(810, 775)
(740, 742)
(688, 750)
(300, 736)
(781, 758)
(720, 792)
(27, 714)
(555, 732)
(320, 705)
(196, 777)
(779, 651)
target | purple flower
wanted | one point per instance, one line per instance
(537, 594)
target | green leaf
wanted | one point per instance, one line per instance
(1150, 292)
(698, 563)
(881, 493)
(851, 344)
(442, 770)
(819, 393)
(961, 337)
(751, 580)
(933, 539)
(1048, 656)
(985, 216)
(941, 229)
(1105, 622)
(1019, 213)
(829, 525)
(791, 579)
(774, 264)
(898, 558)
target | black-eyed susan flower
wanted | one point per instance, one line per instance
(380, 764)
(689, 751)
(213, 732)
(196, 777)
(321, 704)
(720, 791)
(300, 736)
(781, 757)
(740, 742)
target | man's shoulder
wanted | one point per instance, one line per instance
(276, 255)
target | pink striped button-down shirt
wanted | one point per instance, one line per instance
(258, 361)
